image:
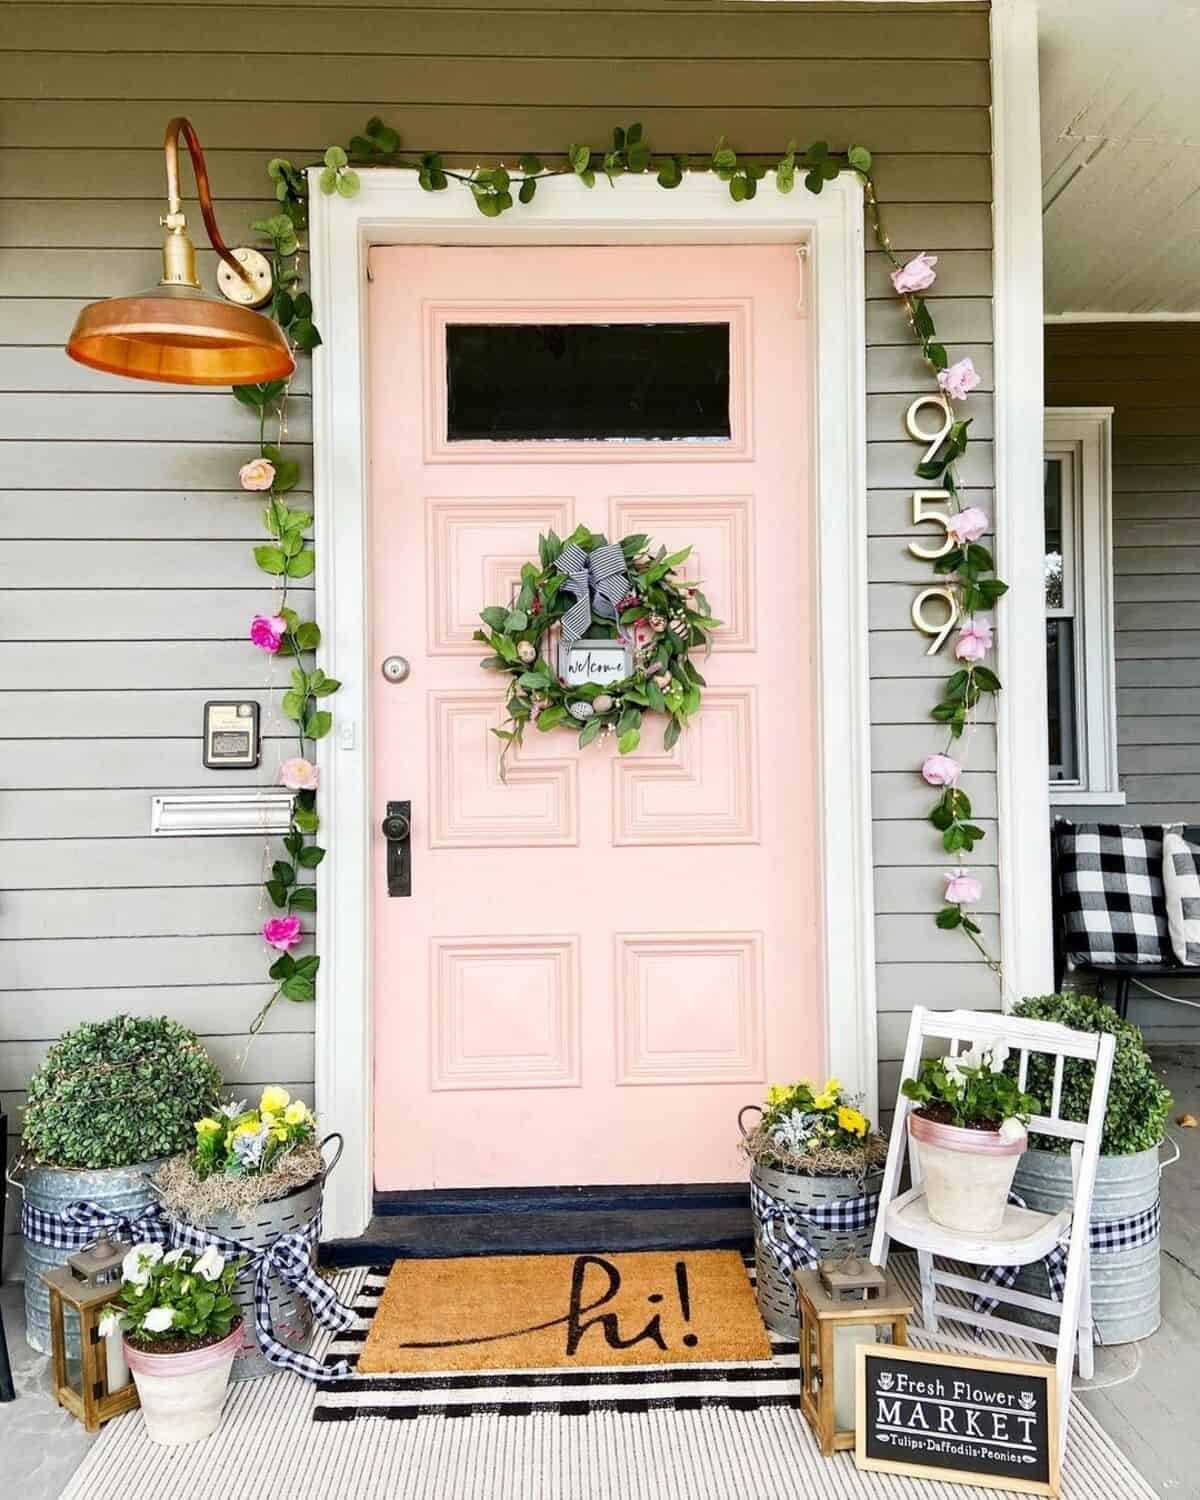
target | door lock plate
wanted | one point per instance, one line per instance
(397, 830)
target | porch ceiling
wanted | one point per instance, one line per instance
(1120, 143)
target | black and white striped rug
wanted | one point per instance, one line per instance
(742, 1386)
(269, 1444)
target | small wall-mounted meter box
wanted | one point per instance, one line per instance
(231, 735)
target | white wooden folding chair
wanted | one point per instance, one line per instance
(1025, 1235)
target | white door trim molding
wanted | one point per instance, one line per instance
(1022, 753)
(391, 208)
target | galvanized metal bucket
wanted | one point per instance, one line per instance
(121, 1190)
(1125, 1283)
(291, 1316)
(802, 1191)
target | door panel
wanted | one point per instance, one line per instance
(602, 957)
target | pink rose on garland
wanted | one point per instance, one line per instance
(959, 380)
(962, 889)
(258, 474)
(975, 638)
(282, 933)
(299, 775)
(267, 631)
(941, 770)
(916, 275)
(967, 525)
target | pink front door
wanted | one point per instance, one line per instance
(602, 957)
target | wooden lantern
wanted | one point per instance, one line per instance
(842, 1304)
(86, 1284)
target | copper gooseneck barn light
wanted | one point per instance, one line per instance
(176, 331)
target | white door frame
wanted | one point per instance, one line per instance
(391, 208)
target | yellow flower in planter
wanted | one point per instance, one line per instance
(852, 1120)
(274, 1099)
(208, 1126)
(296, 1114)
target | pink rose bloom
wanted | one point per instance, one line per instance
(258, 474)
(642, 633)
(299, 775)
(974, 638)
(916, 275)
(267, 631)
(941, 770)
(959, 380)
(968, 525)
(962, 889)
(282, 933)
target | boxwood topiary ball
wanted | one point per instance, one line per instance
(116, 1092)
(1137, 1102)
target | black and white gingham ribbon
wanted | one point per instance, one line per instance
(781, 1225)
(597, 581)
(288, 1256)
(1106, 1238)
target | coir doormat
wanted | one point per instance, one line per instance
(521, 1312)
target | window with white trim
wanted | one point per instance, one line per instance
(1080, 667)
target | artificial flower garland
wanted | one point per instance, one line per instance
(641, 602)
(967, 570)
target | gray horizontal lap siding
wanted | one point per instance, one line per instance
(125, 562)
(1150, 374)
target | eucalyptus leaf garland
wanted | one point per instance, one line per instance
(967, 570)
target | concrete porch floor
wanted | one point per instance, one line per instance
(1143, 1394)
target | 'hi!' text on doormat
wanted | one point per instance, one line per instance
(506, 1312)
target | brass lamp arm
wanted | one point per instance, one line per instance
(174, 221)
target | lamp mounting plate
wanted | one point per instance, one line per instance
(261, 284)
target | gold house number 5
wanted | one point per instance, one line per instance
(932, 505)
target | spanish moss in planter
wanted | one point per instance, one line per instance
(811, 1151)
(254, 1173)
(111, 1099)
(969, 1132)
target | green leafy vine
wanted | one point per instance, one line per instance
(965, 570)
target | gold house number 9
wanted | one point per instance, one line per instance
(932, 505)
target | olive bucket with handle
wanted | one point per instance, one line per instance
(802, 1191)
(256, 1228)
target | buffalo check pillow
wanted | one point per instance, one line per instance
(1181, 884)
(1111, 893)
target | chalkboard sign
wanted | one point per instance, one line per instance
(938, 1415)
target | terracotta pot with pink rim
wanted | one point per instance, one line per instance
(182, 1393)
(966, 1173)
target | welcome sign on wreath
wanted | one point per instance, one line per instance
(599, 634)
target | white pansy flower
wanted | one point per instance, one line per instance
(999, 1056)
(135, 1268)
(172, 1257)
(211, 1264)
(110, 1323)
(974, 1059)
(159, 1319)
(1012, 1129)
(953, 1070)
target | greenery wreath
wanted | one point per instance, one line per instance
(587, 589)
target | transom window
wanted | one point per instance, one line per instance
(522, 382)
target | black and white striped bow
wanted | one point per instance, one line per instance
(598, 582)
(287, 1256)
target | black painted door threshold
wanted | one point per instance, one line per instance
(549, 1221)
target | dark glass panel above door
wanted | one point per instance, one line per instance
(587, 382)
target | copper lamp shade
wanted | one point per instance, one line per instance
(177, 332)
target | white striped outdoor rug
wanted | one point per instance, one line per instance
(269, 1444)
